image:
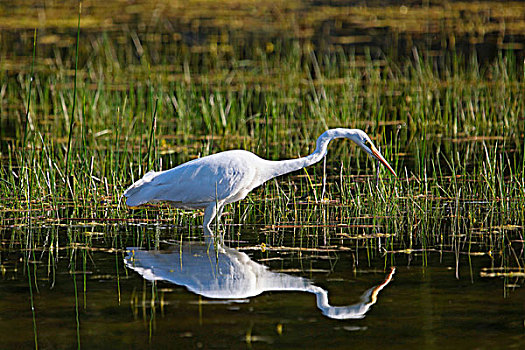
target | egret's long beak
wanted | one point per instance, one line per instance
(379, 157)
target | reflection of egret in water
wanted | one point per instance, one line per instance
(230, 274)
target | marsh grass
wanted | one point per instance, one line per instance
(451, 126)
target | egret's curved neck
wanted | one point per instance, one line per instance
(286, 166)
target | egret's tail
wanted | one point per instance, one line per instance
(141, 191)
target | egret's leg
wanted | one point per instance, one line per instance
(219, 214)
(212, 211)
(209, 215)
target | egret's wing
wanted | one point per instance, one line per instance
(193, 184)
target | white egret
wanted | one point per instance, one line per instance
(213, 181)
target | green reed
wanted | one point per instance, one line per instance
(450, 128)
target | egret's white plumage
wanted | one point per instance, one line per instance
(216, 180)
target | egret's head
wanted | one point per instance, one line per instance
(362, 140)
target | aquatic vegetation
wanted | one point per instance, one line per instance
(453, 136)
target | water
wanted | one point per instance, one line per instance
(136, 298)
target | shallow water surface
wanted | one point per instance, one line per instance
(186, 294)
